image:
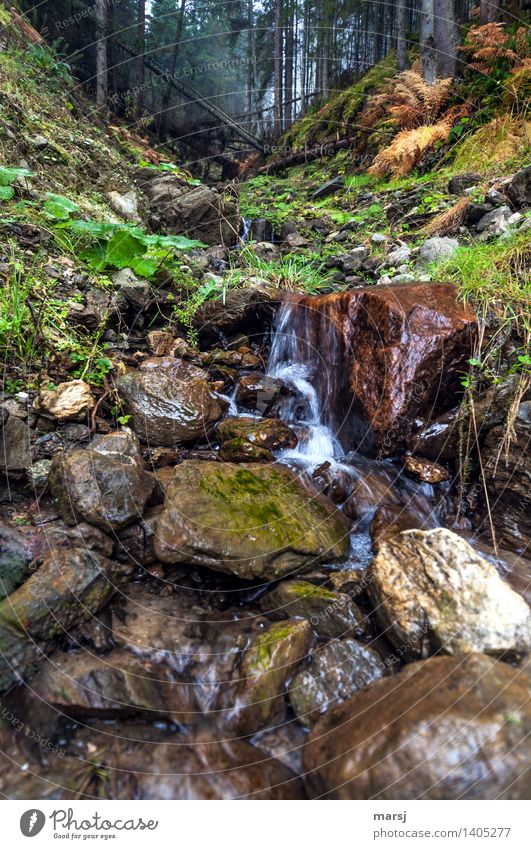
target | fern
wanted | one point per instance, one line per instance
(407, 149)
(409, 101)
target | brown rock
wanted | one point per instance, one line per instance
(70, 401)
(445, 728)
(425, 470)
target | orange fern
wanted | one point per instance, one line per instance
(407, 149)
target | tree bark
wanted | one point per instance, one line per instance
(428, 51)
(402, 61)
(446, 38)
(140, 67)
(173, 65)
(278, 67)
(101, 54)
(489, 11)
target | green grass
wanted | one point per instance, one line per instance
(293, 272)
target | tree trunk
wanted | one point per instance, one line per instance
(428, 51)
(402, 61)
(140, 67)
(278, 67)
(289, 65)
(489, 11)
(173, 65)
(446, 38)
(101, 54)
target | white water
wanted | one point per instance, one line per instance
(317, 441)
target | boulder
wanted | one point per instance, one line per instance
(271, 434)
(69, 401)
(461, 182)
(354, 259)
(198, 212)
(105, 485)
(15, 559)
(519, 188)
(170, 402)
(331, 614)
(242, 451)
(247, 520)
(69, 587)
(136, 292)
(329, 188)
(508, 477)
(432, 592)
(336, 673)
(444, 728)
(243, 308)
(393, 353)
(425, 470)
(494, 223)
(15, 445)
(436, 249)
(125, 205)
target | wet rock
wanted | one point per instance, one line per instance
(261, 230)
(439, 439)
(495, 197)
(508, 476)
(248, 520)
(331, 614)
(392, 519)
(433, 592)
(15, 559)
(70, 586)
(271, 434)
(104, 485)
(329, 188)
(436, 249)
(134, 544)
(229, 769)
(243, 308)
(258, 392)
(125, 205)
(425, 470)
(136, 292)
(70, 401)
(519, 188)
(38, 474)
(242, 451)
(84, 685)
(336, 673)
(397, 352)
(266, 669)
(494, 223)
(15, 447)
(51, 535)
(198, 212)
(445, 728)
(170, 402)
(461, 182)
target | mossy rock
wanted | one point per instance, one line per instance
(330, 613)
(249, 520)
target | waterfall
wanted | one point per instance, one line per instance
(310, 373)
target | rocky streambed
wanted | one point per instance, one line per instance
(264, 584)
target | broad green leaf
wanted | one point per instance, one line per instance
(98, 229)
(59, 207)
(9, 175)
(123, 248)
(6, 192)
(96, 257)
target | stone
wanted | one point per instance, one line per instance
(15, 559)
(15, 445)
(266, 668)
(494, 223)
(293, 241)
(331, 614)
(444, 728)
(436, 249)
(519, 188)
(125, 205)
(508, 478)
(354, 259)
(70, 401)
(460, 182)
(432, 592)
(170, 402)
(38, 474)
(329, 188)
(198, 212)
(495, 198)
(242, 309)
(474, 212)
(247, 520)
(426, 470)
(264, 433)
(242, 451)
(403, 350)
(258, 392)
(69, 587)
(379, 238)
(136, 292)
(105, 485)
(398, 256)
(336, 672)
(391, 519)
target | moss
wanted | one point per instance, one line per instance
(260, 656)
(255, 498)
(307, 590)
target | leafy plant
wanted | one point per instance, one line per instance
(7, 177)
